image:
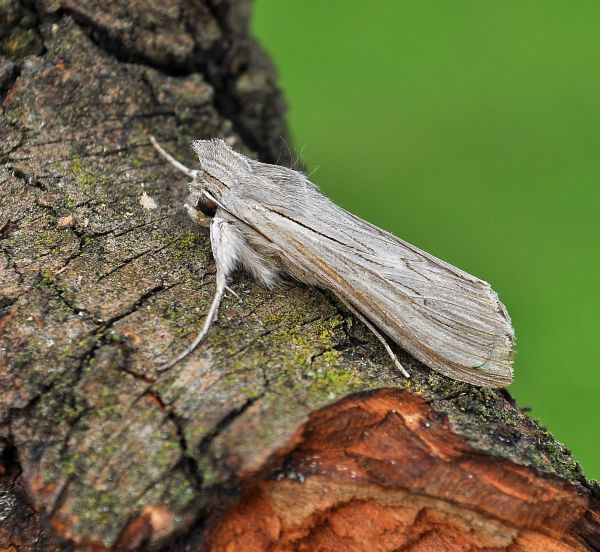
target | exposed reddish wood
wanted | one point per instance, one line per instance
(384, 472)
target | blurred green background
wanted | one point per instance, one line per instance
(472, 130)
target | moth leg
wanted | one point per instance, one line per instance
(227, 288)
(225, 258)
(179, 166)
(197, 217)
(378, 336)
(214, 307)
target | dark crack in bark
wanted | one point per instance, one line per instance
(231, 61)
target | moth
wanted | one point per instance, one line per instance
(274, 221)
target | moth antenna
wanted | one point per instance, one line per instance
(378, 336)
(214, 307)
(179, 166)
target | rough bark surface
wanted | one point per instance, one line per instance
(289, 428)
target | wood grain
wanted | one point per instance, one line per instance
(384, 472)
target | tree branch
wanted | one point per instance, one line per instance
(289, 427)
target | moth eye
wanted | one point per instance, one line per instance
(206, 206)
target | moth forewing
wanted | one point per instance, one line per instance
(448, 319)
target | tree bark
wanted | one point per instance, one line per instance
(289, 428)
